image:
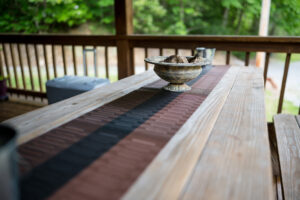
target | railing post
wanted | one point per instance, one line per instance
(124, 27)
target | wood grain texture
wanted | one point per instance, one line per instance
(288, 141)
(236, 162)
(33, 124)
(166, 176)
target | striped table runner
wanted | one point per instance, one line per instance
(100, 154)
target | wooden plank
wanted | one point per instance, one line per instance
(176, 51)
(64, 59)
(283, 83)
(29, 66)
(1, 66)
(106, 62)
(236, 162)
(46, 61)
(123, 17)
(95, 62)
(227, 57)
(132, 62)
(6, 65)
(288, 137)
(266, 67)
(33, 124)
(222, 43)
(124, 26)
(27, 92)
(146, 56)
(279, 188)
(38, 67)
(232, 43)
(85, 63)
(74, 60)
(247, 58)
(161, 53)
(124, 59)
(12, 54)
(22, 66)
(298, 120)
(167, 174)
(60, 39)
(54, 60)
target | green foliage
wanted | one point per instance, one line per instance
(285, 18)
(150, 14)
(181, 17)
(272, 104)
(34, 16)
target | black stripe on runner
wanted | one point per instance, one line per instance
(45, 179)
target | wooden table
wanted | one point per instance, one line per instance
(133, 140)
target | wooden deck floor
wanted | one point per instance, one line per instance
(14, 107)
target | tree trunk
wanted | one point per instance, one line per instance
(225, 16)
(182, 11)
(240, 21)
(273, 29)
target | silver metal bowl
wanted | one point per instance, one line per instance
(177, 74)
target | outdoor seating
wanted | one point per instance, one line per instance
(287, 129)
(68, 86)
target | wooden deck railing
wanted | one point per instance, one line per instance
(10, 42)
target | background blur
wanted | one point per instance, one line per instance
(177, 17)
(181, 17)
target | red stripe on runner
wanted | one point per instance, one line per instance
(110, 176)
(51, 143)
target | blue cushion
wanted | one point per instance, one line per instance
(68, 86)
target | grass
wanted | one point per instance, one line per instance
(281, 56)
(272, 105)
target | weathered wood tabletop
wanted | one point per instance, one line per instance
(132, 140)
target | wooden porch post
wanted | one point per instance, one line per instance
(124, 27)
(263, 29)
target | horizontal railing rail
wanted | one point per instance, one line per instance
(103, 40)
(232, 43)
(13, 53)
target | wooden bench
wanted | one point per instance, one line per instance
(287, 129)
